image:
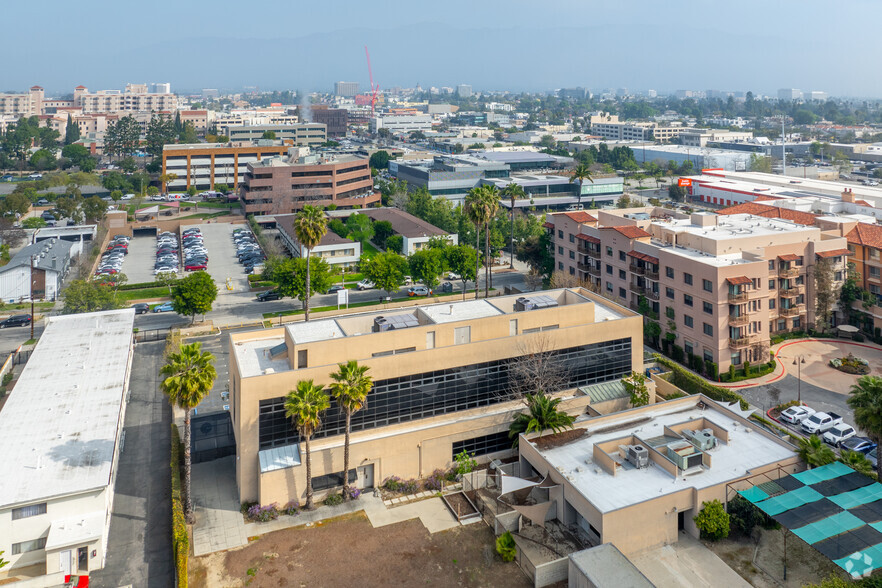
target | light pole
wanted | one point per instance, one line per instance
(798, 361)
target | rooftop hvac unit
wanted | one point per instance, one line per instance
(684, 454)
(703, 440)
(397, 322)
(638, 455)
(524, 303)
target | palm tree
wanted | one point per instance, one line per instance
(476, 212)
(188, 378)
(350, 389)
(513, 191)
(857, 461)
(310, 225)
(866, 401)
(581, 173)
(490, 195)
(542, 414)
(815, 452)
(305, 405)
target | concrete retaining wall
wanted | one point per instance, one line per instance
(549, 573)
(507, 521)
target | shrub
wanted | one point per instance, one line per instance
(692, 384)
(246, 506)
(744, 516)
(731, 372)
(712, 521)
(292, 507)
(333, 499)
(353, 493)
(635, 384)
(712, 370)
(465, 463)
(180, 539)
(392, 484)
(435, 482)
(410, 486)
(506, 547)
(677, 353)
(697, 364)
(263, 514)
(858, 338)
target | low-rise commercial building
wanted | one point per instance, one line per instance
(205, 164)
(284, 184)
(701, 157)
(334, 249)
(450, 176)
(62, 432)
(558, 192)
(401, 123)
(701, 137)
(609, 127)
(36, 272)
(301, 134)
(446, 378)
(415, 232)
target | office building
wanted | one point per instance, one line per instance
(415, 232)
(205, 164)
(550, 192)
(401, 123)
(701, 157)
(301, 134)
(608, 126)
(464, 91)
(61, 432)
(160, 88)
(36, 271)
(818, 96)
(445, 380)
(346, 89)
(789, 94)
(448, 176)
(336, 120)
(285, 183)
(721, 285)
(701, 137)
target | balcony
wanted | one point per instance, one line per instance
(639, 290)
(585, 267)
(637, 269)
(788, 273)
(792, 311)
(791, 292)
(652, 275)
(594, 253)
(740, 297)
(742, 342)
(594, 270)
(738, 321)
(652, 294)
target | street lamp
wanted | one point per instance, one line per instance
(798, 361)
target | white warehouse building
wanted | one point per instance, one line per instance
(51, 261)
(61, 433)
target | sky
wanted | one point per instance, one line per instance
(519, 45)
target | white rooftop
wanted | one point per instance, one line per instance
(307, 332)
(58, 429)
(254, 356)
(735, 226)
(75, 530)
(460, 311)
(745, 451)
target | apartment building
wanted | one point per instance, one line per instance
(334, 249)
(720, 285)
(205, 164)
(284, 184)
(29, 103)
(135, 98)
(445, 379)
(302, 134)
(609, 127)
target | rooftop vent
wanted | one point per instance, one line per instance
(638, 455)
(524, 303)
(704, 439)
(393, 323)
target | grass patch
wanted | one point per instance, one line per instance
(368, 251)
(27, 306)
(206, 215)
(129, 295)
(30, 342)
(269, 315)
(226, 205)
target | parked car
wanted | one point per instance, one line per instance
(365, 285)
(7, 178)
(48, 216)
(16, 320)
(195, 267)
(796, 414)
(335, 288)
(820, 422)
(141, 308)
(268, 295)
(42, 202)
(165, 307)
(872, 456)
(838, 434)
(35, 177)
(419, 291)
(860, 444)
(453, 276)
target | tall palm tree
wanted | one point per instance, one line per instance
(476, 212)
(350, 388)
(866, 401)
(815, 452)
(581, 173)
(188, 378)
(310, 225)
(513, 191)
(542, 414)
(305, 405)
(490, 195)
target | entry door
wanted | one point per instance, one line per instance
(366, 476)
(64, 561)
(83, 559)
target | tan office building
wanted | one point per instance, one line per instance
(205, 164)
(720, 285)
(445, 380)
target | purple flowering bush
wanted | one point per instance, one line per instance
(410, 487)
(291, 508)
(435, 482)
(392, 484)
(262, 514)
(354, 493)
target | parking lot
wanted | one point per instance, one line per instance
(222, 261)
(138, 266)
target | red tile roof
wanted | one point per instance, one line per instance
(644, 257)
(588, 238)
(764, 210)
(788, 257)
(581, 217)
(548, 225)
(739, 281)
(630, 231)
(834, 253)
(866, 234)
(863, 203)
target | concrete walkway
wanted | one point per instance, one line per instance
(687, 564)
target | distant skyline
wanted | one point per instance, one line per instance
(513, 45)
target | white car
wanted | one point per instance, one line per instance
(796, 414)
(365, 285)
(127, 196)
(453, 276)
(838, 434)
(35, 177)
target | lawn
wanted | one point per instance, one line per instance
(218, 205)
(267, 315)
(207, 215)
(130, 295)
(368, 251)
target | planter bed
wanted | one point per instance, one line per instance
(460, 505)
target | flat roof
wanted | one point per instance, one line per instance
(744, 452)
(59, 427)
(607, 567)
(403, 223)
(285, 223)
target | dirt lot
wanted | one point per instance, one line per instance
(350, 552)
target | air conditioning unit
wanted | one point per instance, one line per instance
(638, 456)
(703, 440)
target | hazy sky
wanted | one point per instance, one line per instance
(758, 45)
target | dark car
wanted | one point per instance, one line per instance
(859, 444)
(48, 216)
(268, 295)
(141, 308)
(16, 320)
(336, 288)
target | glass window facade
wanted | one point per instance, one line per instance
(483, 445)
(428, 394)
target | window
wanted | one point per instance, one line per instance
(771, 284)
(622, 275)
(572, 240)
(708, 330)
(796, 323)
(609, 251)
(302, 358)
(332, 480)
(430, 336)
(559, 252)
(669, 312)
(559, 266)
(771, 304)
(687, 299)
(772, 264)
(707, 307)
(26, 546)
(572, 256)
(687, 320)
(874, 272)
(687, 346)
(707, 285)
(708, 356)
(669, 292)
(609, 269)
(28, 511)
(687, 278)
(623, 256)
(572, 271)
(559, 236)
(838, 276)
(483, 445)
(462, 335)
(609, 287)
(622, 293)
(669, 272)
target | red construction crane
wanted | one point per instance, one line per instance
(375, 89)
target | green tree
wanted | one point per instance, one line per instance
(360, 228)
(164, 179)
(310, 226)
(128, 165)
(271, 135)
(426, 266)
(579, 174)
(306, 405)
(536, 252)
(814, 452)
(152, 191)
(386, 270)
(76, 153)
(222, 188)
(49, 138)
(160, 132)
(194, 295)
(857, 461)
(70, 206)
(33, 222)
(380, 159)
(635, 384)
(712, 521)
(116, 195)
(477, 211)
(187, 379)
(676, 193)
(290, 277)
(188, 135)
(866, 402)
(542, 414)
(94, 209)
(84, 296)
(460, 260)
(43, 160)
(167, 279)
(71, 131)
(350, 389)
(339, 227)
(15, 204)
(394, 244)
(760, 163)
(382, 231)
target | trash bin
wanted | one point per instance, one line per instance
(447, 287)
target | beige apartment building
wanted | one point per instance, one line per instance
(720, 285)
(135, 98)
(608, 126)
(446, 379)
(24, 104)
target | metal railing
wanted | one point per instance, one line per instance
(637, 269)
(788, 273)
(740, 297)
(792, 311)
(738, 321)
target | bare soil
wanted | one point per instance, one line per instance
(460, 506)
(349, 552)
(557, 439)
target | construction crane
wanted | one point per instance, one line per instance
(375, 89)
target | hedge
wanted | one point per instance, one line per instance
(141, 286)
(693, 384)
(180, 540)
